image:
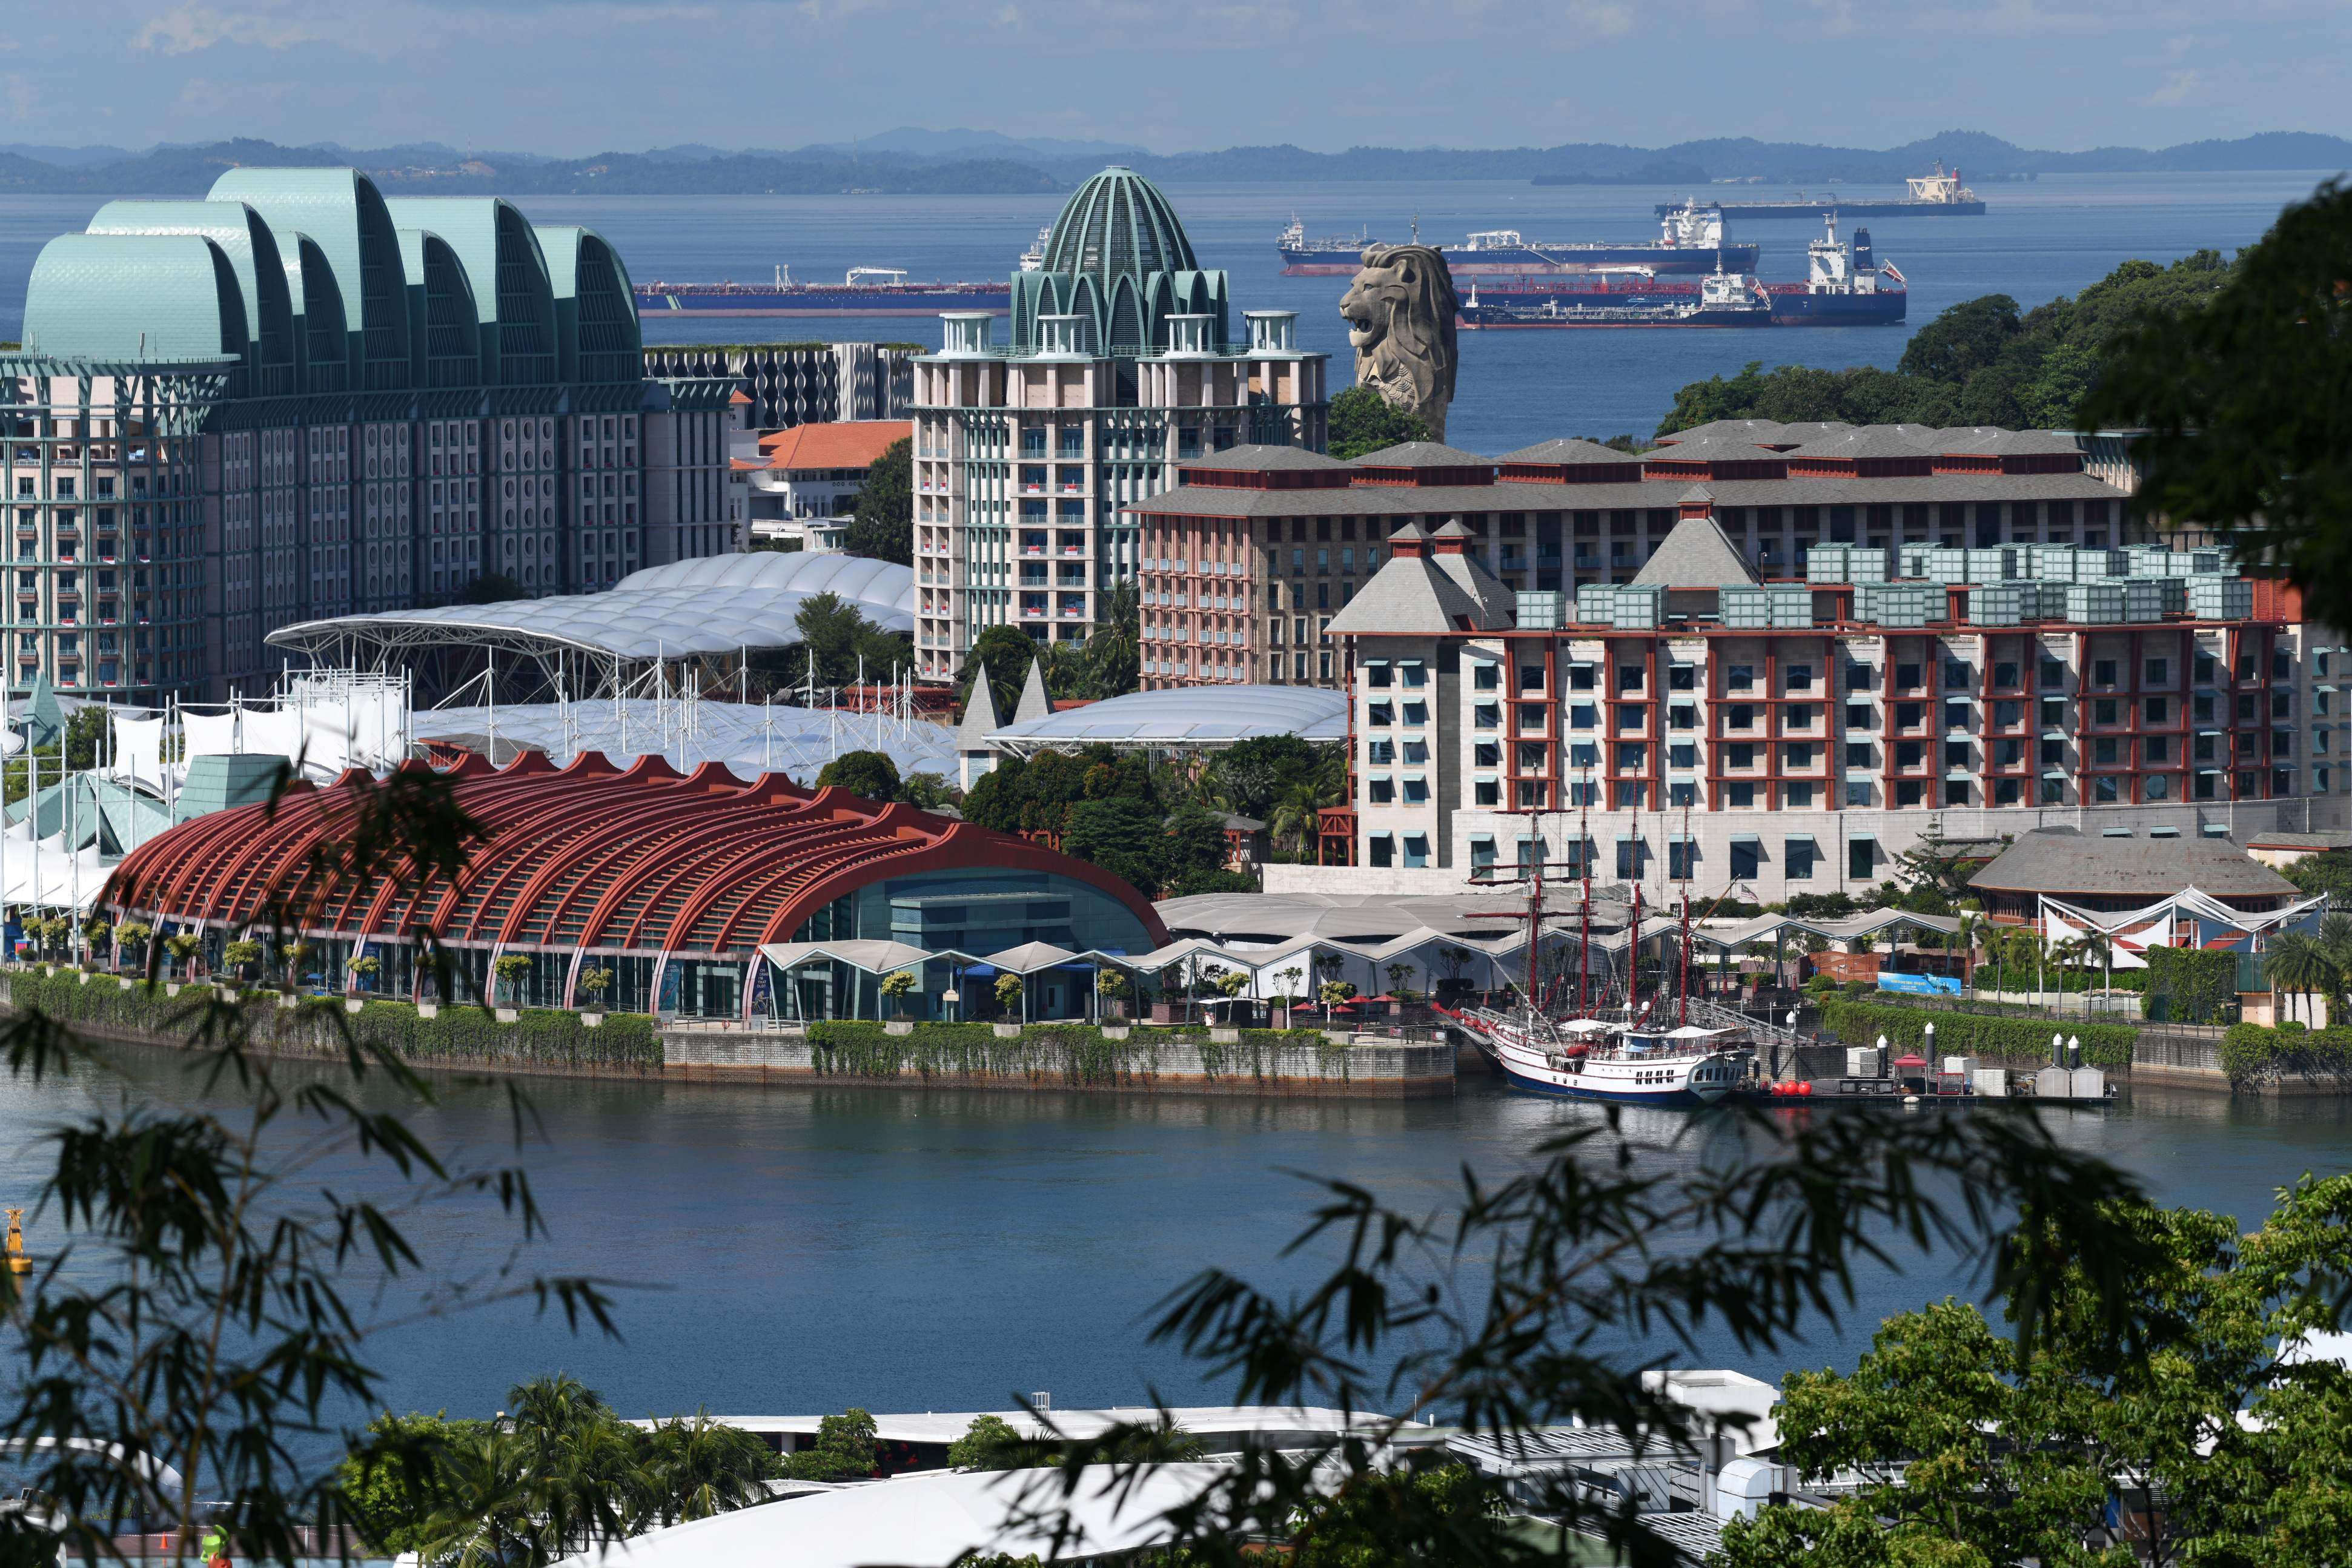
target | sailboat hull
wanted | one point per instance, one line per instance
(1668, 1082)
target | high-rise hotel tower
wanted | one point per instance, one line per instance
(1123, 362)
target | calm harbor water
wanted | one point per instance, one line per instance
(2036, 242)
(797, 1252)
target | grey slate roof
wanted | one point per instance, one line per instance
(2060, 861)
(1034, 703)
(1438, 500)
(2337, 839)
(1870, 441)
(1697, 554)
(1569, 451)
(1421, 454)
(1415, 595)
(1498, 605)
(1261, 459)
(1735, 429)
(980, 718)
(1713, 449)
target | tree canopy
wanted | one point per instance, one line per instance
(869, 774)
(883, 526)
(834, 635)
(1362, 421)
(1982, 362)
(1005, 652)
(2247, 404)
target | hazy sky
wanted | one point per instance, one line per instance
(591, 75)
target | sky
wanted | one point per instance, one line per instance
(585, 76)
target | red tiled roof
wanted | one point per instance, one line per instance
(739, 395)
(854, 444)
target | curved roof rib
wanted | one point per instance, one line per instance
(513, 300)
(252, 251)
(342, 209)
(158, 297)
(597, 336)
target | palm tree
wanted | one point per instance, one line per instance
(2299, 965)
(697, 1466)
(1295, 822)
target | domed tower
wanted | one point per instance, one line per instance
(1117, 259)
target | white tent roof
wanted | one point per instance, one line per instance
(1031, 957)
(925, 1520)
(873, 958)
(1185, 716)
(751, 739)
(714, 605)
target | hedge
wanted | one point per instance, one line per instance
(2253, 1055)
(536, 1039)
(1974, 1034)
(1065, 1052)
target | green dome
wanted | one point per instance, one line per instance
(1117, 225)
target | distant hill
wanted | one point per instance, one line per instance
(910, 161)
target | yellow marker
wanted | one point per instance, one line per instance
(18, 1262)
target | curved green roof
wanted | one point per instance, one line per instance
(252, 250)
(1117, 225)
(512, 297)
(323, 365)
(1117, 256)
(598, 338)
(344, 213)
(167, 297)
(444, 333)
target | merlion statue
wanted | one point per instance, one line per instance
(1401, 312)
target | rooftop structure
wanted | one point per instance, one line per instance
(294, 399)
(712, 608)
(1181, 720)
(2121, 869)
(672, 882)
(1124, 361)
(1248, 557)
(802, 483)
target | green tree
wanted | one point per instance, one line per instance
(399, 1476)
(897, 986)
(695, 1466)
(870, 775)
(883, 526)
(1362, 421)
(834, 637)
(2245, 431)
(2328, 873)
(1005, 652)
(990, 1442)
(86, 734)
(1124, 836)
(1192, 854)
(1962, 339)
(843, 1451)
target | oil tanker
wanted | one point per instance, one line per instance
(1845, 286)
(1690, 243)
(1936, 195)
(867, 292)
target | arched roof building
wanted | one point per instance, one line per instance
(252, 251)
(136, 297)
(345, 213)
(512, 296)
(673, 880)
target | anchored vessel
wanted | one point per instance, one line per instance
(1690, 241)
(1939, 194)
(866, 291)
(1845, 286)
(1721, 300)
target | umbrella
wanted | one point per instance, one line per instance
(1910, 1061)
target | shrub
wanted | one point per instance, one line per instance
(1974, 1034)
(2202, 986)
(2252, 1054)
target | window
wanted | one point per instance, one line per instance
(1487, 753)
(1797, 859)
(1681, 856)
(1906, 677)
(1629, 678)
(1741, 754)
(1580, 677)
(1382, 849)
(1682, 754)
(1860, 715)
(1486, 715)
(1379, 789)
(2104, 710)
(1741, 796)
(1486, 678)
(1682, 677)
(1584, 716)
(1739, 678)
(1482, 853)
(1632, 796)
(1801, 678)
(1958, 677)
(1379, 753)
(1857, 677)
(2053, 713)
(2103, 672)
(2054, 791)
(1377, 674)
(2160, 672)
(2053, 675)
(1857, 792)
(2159, 710)
(1861, 858)
(1632, 757)
(1956, 716)
(1797, 797)
(1531, 677)
(1485, 792)
(1416, 789)
(1414, 673)
(1857, 754)
(1629, 857)
(2004, 673)
(1416, 713)
(1380, 716)
(1745, 855)
(1416, 751)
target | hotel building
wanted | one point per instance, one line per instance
(296, 399)
(1123, 364)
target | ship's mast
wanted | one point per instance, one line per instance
(1684, 1008)
(1584, 861)
(1534, 917)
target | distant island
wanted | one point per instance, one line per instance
(950, 162)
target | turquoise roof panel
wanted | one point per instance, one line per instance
(323, 363)
(252, 250)
(513, 298)
(443, 335)
(342, 209)
(598, 338)
(154, 298)
(1118, 256)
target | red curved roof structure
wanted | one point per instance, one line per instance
(586, 856)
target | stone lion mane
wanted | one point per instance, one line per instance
(1400, 310)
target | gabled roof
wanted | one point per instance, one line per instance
(1713, 449)
(1259, 459)
(1568, 451)
(1870, 441)
(1421, 454)
(847, 443)
(1415, 595)
(1696, 555)
(2062, 862)
(1738, 429)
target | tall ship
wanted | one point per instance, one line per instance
(1673, 1051)
(1844, 286)
(866, 291)
(1938, 194)
(1690, 243)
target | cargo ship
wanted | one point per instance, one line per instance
(866, 291)
(1690, 243)
(1936, 195)
(1720, 299)
(1845, 286)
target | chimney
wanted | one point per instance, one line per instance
(1451, 539)
(1409, 543)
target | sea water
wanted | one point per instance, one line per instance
(2035, 242)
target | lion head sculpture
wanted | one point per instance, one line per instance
(1401, 312)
